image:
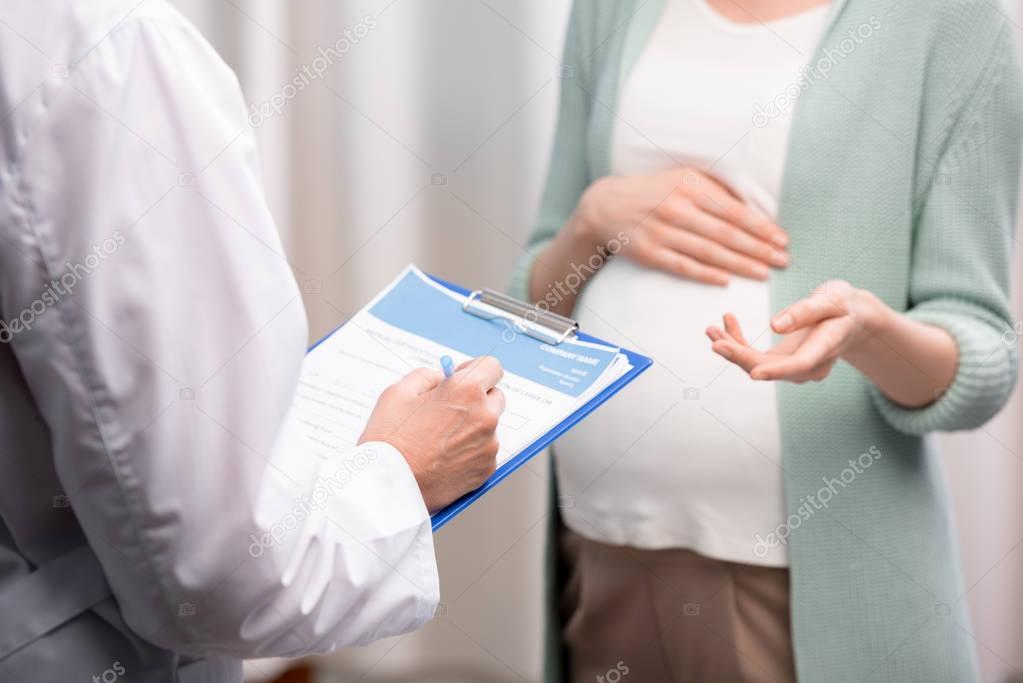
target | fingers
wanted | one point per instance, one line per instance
(716, 334)
(685, 213)
(671, 261)
(708, 252)
(744, 356)
(731, 331)
(732, 327)
(419, 381)
(496, 401)
(715, 200)
(820, 348)
(484, 372)
(789, 343)
(809, 311)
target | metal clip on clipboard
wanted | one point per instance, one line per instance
(548, 327)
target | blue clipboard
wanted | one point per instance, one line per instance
(639, 364)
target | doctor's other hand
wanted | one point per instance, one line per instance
(444, 428)
(681, 221)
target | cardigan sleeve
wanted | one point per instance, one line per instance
(568, 173)
(963, 242)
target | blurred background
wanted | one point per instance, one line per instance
(425, 139)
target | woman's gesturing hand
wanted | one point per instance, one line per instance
(830, 324)
(683, 222)
(911, 362)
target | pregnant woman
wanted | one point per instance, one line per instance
(827, 192)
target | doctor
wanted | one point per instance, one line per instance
(160, 515)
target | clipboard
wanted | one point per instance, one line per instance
(551, 329)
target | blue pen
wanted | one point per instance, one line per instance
(447, 365)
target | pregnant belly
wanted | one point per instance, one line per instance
(693, 420)
(667, 316)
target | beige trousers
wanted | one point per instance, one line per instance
(668, 616)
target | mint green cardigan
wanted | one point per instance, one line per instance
(901, 177)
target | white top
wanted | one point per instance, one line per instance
(155, 337)
(689, 455)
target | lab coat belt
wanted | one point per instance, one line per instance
(66, 587)
(49, 597)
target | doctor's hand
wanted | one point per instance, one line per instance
(681, 221)
(445, 428)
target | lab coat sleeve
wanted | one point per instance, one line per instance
(158, 324)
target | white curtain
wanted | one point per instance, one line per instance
(425, 139)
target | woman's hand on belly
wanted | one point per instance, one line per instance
(683, 222)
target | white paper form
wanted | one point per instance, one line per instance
(413, 323)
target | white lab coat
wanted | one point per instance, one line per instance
(153, 340)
